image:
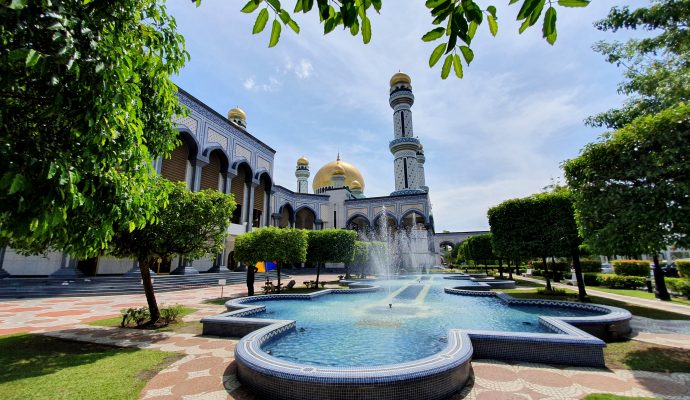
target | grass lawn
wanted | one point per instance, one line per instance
(179, 326)
(643, 356)
(642, 294)
(39, 367)
(572, 296)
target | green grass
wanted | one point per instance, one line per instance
(115, 321)
(603, 396)
(639, 294)
(634, 309)
(38, 367)
(642, 356)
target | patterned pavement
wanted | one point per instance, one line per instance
(207, 370)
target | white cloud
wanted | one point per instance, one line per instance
(272, 85)
(302, 69)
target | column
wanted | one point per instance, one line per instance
(250, 205)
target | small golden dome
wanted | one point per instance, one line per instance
(338, 170)
(302, 161)
(323, 176)
(355, 185)
(400, 77)
(237, 113)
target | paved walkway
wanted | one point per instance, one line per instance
(207, 369)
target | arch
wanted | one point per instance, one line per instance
(305, 218)
(214, 173)
(262, 195)
(188, 138)
(177, 166)
(224, 157)
(413, 218)
(359, 222)
(239, 189)
(287, 216)
(390, 225)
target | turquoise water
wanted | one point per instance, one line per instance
(362, 330)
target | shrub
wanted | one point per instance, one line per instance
(683, 267)
(590, 279)
(136, 316)
(554, 292)
(170, 314)
(679, 285)
(631, 268)
(620, 281)
(590, 266)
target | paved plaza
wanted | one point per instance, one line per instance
(207, 369)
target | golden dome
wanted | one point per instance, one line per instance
(237, 113)
(355, 185)
(323, 176)
(302, 161)
(400, 77)
(338, 170)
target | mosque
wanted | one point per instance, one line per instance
(219, 153)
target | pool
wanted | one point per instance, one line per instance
(400, 339)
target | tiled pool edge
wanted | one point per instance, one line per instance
(576, 341)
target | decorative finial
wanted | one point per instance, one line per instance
(338, 158)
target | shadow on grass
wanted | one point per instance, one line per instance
(25, 356)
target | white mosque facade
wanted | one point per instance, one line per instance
(218, 152)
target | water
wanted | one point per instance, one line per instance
(362, 330)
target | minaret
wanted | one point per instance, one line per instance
(238, 116)
(420, 169)
(405, 146)
(302, 175)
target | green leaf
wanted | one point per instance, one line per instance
(525, 25)
(467, 53)
(33, 225)
(366, 30)
(299, 6)
(491, 10)
(573, 3)
(493, 26)
(18, 4)
(377, 5)
(549, 27)
(436, 54)
(132, 226)
(275, 4)
(433, 34)
(434, 3)
(17, 184)
(445, 71)
(250, 6)
(275, 33)
(472, 29)
(354, 28)
(32, 58)
(293, 25)
(457, 66)
(526, 9)
(261, 21)
(284, 16)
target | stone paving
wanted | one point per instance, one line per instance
(207, 370)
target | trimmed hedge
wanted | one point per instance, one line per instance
(620, 281)
(679, 285)
(631, 267)
(590, 266)
(683, 267)
(590, 279)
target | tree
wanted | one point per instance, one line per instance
(360, 257)
(330, 245)
(632, 190)
(456, 21)
(86, 103)
(655, 68)
(189, 224)
(479, 249)
(272, 244)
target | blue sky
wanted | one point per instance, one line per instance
(501, 132)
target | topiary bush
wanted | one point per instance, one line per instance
(590, 279)
(631, 267)
(614, 281)
(590, 266)
(679, 285)
(169, 314)
(683, 267)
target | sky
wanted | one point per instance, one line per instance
(501, 132)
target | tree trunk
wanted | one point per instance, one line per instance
(581, 292)
(546, 274)
(148, 289)
(517, 266)
(510, 271)
(486, 268)
(659, 284)
(500, 268)
(278, 276)
(318, 272)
